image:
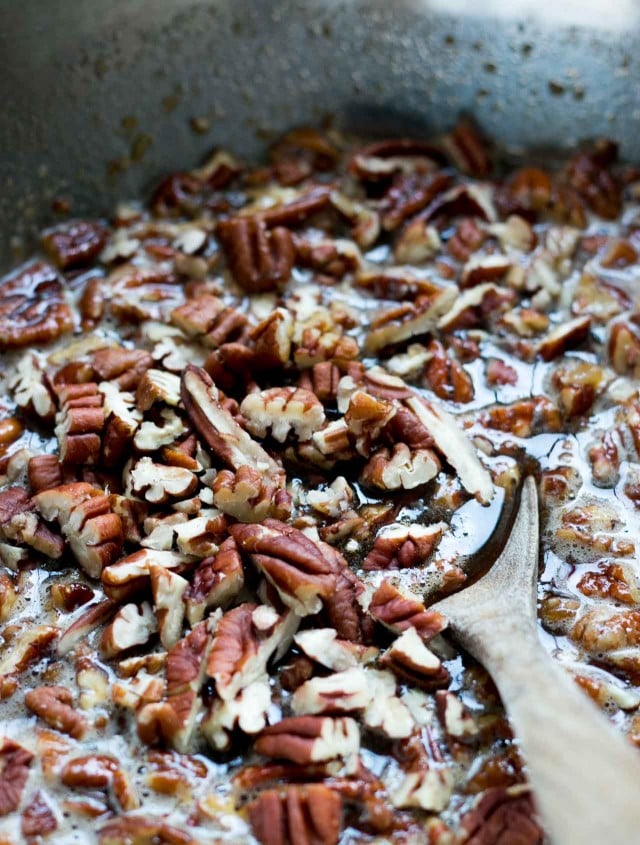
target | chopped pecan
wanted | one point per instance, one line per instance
(445, 376)
(244, 640)
(381, 159)
(248, 497)
(173, 720)
(399, 612)
(604, 458)
(323, 646)
(502, 815)
(366, 417)
(453, 443)
(92, 304)
(93, 616)
(310, 739)
(271, 339)
(619, 253)
(152, 435)
(30, 389)
(300, 152)
(75, 243)
(8, 596)
(410, 193)
(259, 258)
(342, 692)
(604, 630)
(142, 830)
(79, 424)
(137, 293)
(595, 527)
(14, 772)
(468, 149)
(612, 581)
(410, 659)
(577, 383)
(624, 347)
(566, 336)
(44, 472)
(297, 814)
(409, 319)
(299, 209)
(525, 417)
(84, 514)
(280, 411)
(403, 546)
(500, 373)
(167, 589)
(123, 366)
(158, 483)
(457, 721)
(294, 564)
(132, 625)
(157, 387)
(20, 524)
(465, 200)
(344, 610)
(475, 305)
(209, 320)
(216, 581)
(247, 711)
(428, 788)
(54, 705)
(466, 239)
(220, 431)
(483, 268)
(33, 310)
(38, 819)
(514, 233)
(417, 242)
(588, 173)
(103, 772)
(131, 573)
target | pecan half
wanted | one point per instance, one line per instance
(294, 564)
(54, 705)
(33, 310)
(260, 259)
(102, 772)
(14, 772)
(297, 814)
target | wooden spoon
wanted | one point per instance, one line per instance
(585, 776)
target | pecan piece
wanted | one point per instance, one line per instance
(132, 625)
(79, 424)
(260, 259)
(281, 411)
(299, 209)
(244, 641)
(502, 816)
(566, 336)
(271, 339)
(247, 497)
(457, 721)
(173, 720)
(453, 443)
(31, 389)
(207, 318)
(216, 581)
(33, 310)
(142, 830)
(399, 612)
(38, 819)
(410, 193)
(14, 772)
(85, 517)
(310, 739)
(475, 305)
(409, 319)
(294, 564)
(158, 484)
(323, 646)
(381, 159)
(220, 431)
(54, 705)
(20, 524)
(103, 772)
(403, 546)
(343, 692)
(74, 243)
(410, 659)
(44, 472)
(120, 365)
(168, 589)
(446, 377)
(296, 815)
(624, 347)
(468, 149)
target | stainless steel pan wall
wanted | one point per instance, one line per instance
(86, 87)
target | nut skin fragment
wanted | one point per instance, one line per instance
(294, 564)
(297, 815)
(54, 705)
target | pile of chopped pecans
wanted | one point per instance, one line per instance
(250, 432)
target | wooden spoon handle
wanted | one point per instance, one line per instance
(585, 776)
